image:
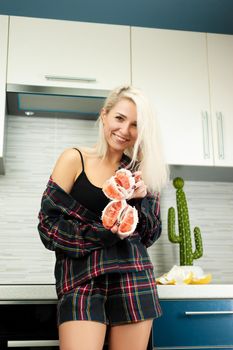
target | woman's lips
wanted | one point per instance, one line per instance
(120, 138)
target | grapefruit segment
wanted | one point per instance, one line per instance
(111, 190)
(122, 214)
(111, 213)
(118, 212)
(128, 220)
(120, 186)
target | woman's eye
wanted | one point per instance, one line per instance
(119, 117)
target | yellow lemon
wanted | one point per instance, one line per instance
(203, 280)
(188, 278)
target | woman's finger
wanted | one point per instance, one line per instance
(137, 176)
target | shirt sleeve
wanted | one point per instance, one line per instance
(60, 230)
(149, 227)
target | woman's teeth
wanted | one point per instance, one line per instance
(122, 139)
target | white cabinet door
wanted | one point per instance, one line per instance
(220, 56)
(97, 54)
(3, 64)
(171, 67)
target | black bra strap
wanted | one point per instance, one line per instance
(81, 156)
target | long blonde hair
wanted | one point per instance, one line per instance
(147, 150)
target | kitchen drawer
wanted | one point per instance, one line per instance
(198, 323)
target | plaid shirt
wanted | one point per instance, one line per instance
(84, 248)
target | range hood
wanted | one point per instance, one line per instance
(25, 100)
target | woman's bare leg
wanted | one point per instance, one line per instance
(82, 335)
(133, 336)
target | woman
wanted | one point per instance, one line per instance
(102, 279)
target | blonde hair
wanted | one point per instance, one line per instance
(147, 151)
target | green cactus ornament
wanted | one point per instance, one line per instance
(184, 237)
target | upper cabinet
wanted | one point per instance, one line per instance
(3, 64)
(171, 67)
(68, 54)
(188, 76)
(220, 56)
(191, 89)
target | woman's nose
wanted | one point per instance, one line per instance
(125, 129)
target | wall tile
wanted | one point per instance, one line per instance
(33, 145)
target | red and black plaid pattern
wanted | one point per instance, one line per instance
(84, 248)
(113, 299)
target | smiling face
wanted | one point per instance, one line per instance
(120, 125)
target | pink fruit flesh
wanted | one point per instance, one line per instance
(112, 192)
(127, 222)
(111, 213)
(120, 186)
(122, 180)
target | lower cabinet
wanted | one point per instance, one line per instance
(194, 324)
(32, 325)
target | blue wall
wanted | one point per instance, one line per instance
(195, 15)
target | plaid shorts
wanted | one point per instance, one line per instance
(112, 299)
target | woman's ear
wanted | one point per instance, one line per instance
(103, 115)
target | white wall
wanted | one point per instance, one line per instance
(33, 145)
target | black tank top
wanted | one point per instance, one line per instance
(87, 194)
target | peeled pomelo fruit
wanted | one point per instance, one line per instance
(124, 179)
(118, 212)
(128, 220)
(121, 214)
(112, 191)
(111, 213)
(120, 186)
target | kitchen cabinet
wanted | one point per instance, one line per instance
(68, 54)
(191, 89)
(3, 65)
(28, 312)
(32, 324)
(194, 323)
(220, 58)
(28, 324)
(171, 67)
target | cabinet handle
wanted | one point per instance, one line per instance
(190, 313)
(205, 135)
(31, 343)
(74, 79)
(220, 135)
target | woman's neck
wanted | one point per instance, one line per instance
(113, 158)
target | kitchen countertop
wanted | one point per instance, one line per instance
(47, 292)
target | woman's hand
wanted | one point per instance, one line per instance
(140, 190)
(114, 229)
